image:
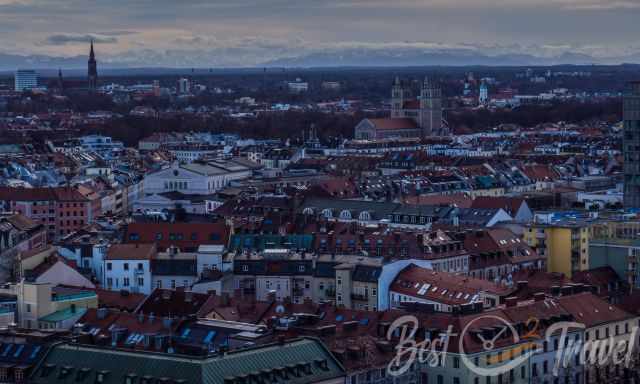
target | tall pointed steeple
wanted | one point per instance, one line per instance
(92, 70)
(60, 80)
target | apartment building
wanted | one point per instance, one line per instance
(48, 307)
(62, 210)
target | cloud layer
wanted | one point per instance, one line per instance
(248, 32)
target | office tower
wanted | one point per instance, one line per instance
(26, 80)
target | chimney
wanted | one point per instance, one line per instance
(539, 296)
(567, 290)
(511, 302)
(101, 313)
(224, 299)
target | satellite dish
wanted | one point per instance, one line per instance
(280, 309)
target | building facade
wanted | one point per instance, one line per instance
(25, 80)
(631, 146)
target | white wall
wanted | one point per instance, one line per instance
(115, 278)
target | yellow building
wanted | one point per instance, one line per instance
(565, 245)
(44, 306)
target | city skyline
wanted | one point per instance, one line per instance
(252, 33)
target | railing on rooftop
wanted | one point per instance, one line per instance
(73, 296)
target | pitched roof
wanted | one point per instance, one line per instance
(591, 310)
(41, 194)
(443, 287)
(131, 252)
(128, 301)
(181, 235)
(178, 303)
(117, 363)
(396, 123)
(510, 204)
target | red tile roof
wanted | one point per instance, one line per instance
(443, 287)
(510, 204)
(131, 252)
(174, 303)
(539, 172)
(591, 310)
(181, 235)
(41, 194)
(118, 300)
(391, 124)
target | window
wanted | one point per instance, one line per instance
(140, 267)
(125, 282)
(456, 362)
(185, 283)
(159, 284)
(173, 284)
(245, 268)
(28, 307)
(300, 268)
(18, 375)
(109, 266)
(109, 282)
(126, 266)
(140, 281)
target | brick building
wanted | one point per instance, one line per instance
(62, 210)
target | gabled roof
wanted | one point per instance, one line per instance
(131, 252)
(511, 205)
(393, 124)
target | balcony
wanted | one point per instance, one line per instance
(138, 271)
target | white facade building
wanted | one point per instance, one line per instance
(198, 178)
(25, 80)
(128, 267)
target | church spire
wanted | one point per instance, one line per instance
(60, 80)
(92, 70)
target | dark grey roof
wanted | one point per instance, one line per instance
(83, 364)
(174, 267)
(366, 273)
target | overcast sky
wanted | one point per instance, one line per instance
(247, 30)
